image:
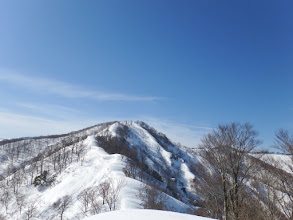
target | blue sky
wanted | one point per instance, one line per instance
(181, 66)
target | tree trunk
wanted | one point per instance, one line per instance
(225, 198)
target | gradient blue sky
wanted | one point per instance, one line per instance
(181, 66)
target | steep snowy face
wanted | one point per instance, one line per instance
(154, 152)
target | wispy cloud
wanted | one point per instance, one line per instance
(21, 125)
(49, 109)
(188, 135)
(67, 90)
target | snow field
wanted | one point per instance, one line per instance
(144, 215)
(96, 167)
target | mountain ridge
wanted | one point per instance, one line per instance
(30, 157)
(106, 167)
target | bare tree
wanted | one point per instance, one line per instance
(131, 169)
(93, 198)
(110, 191)
(5, 198)
(84, 198)
(151, 197)
(90, 200)
(266, 185)
(31, 211)
(227, 149)
(284, 142)
(61, 205)
(104, 189)
(207, 187)
(31, 171)
(80, 152)
(20, 201)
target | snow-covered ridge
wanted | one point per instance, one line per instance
(15, 153)
(279, 160)
(85, 167)
(127, 154)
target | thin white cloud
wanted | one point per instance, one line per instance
(49, 109)
(187, 135)
(19, 125)
(65, 89)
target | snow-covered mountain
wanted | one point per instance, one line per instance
(111, 166)
(128, 155)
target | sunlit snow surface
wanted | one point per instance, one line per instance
(279, 160)
(132, 214)
(98, 166)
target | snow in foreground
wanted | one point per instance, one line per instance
(144, 214)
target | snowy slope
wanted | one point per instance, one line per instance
(279, 160)
(28, 148)
(165, 158)
(87, 163)
(95, 167)
(144, 215)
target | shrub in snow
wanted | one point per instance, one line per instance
(41, 179)
(44, 179)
